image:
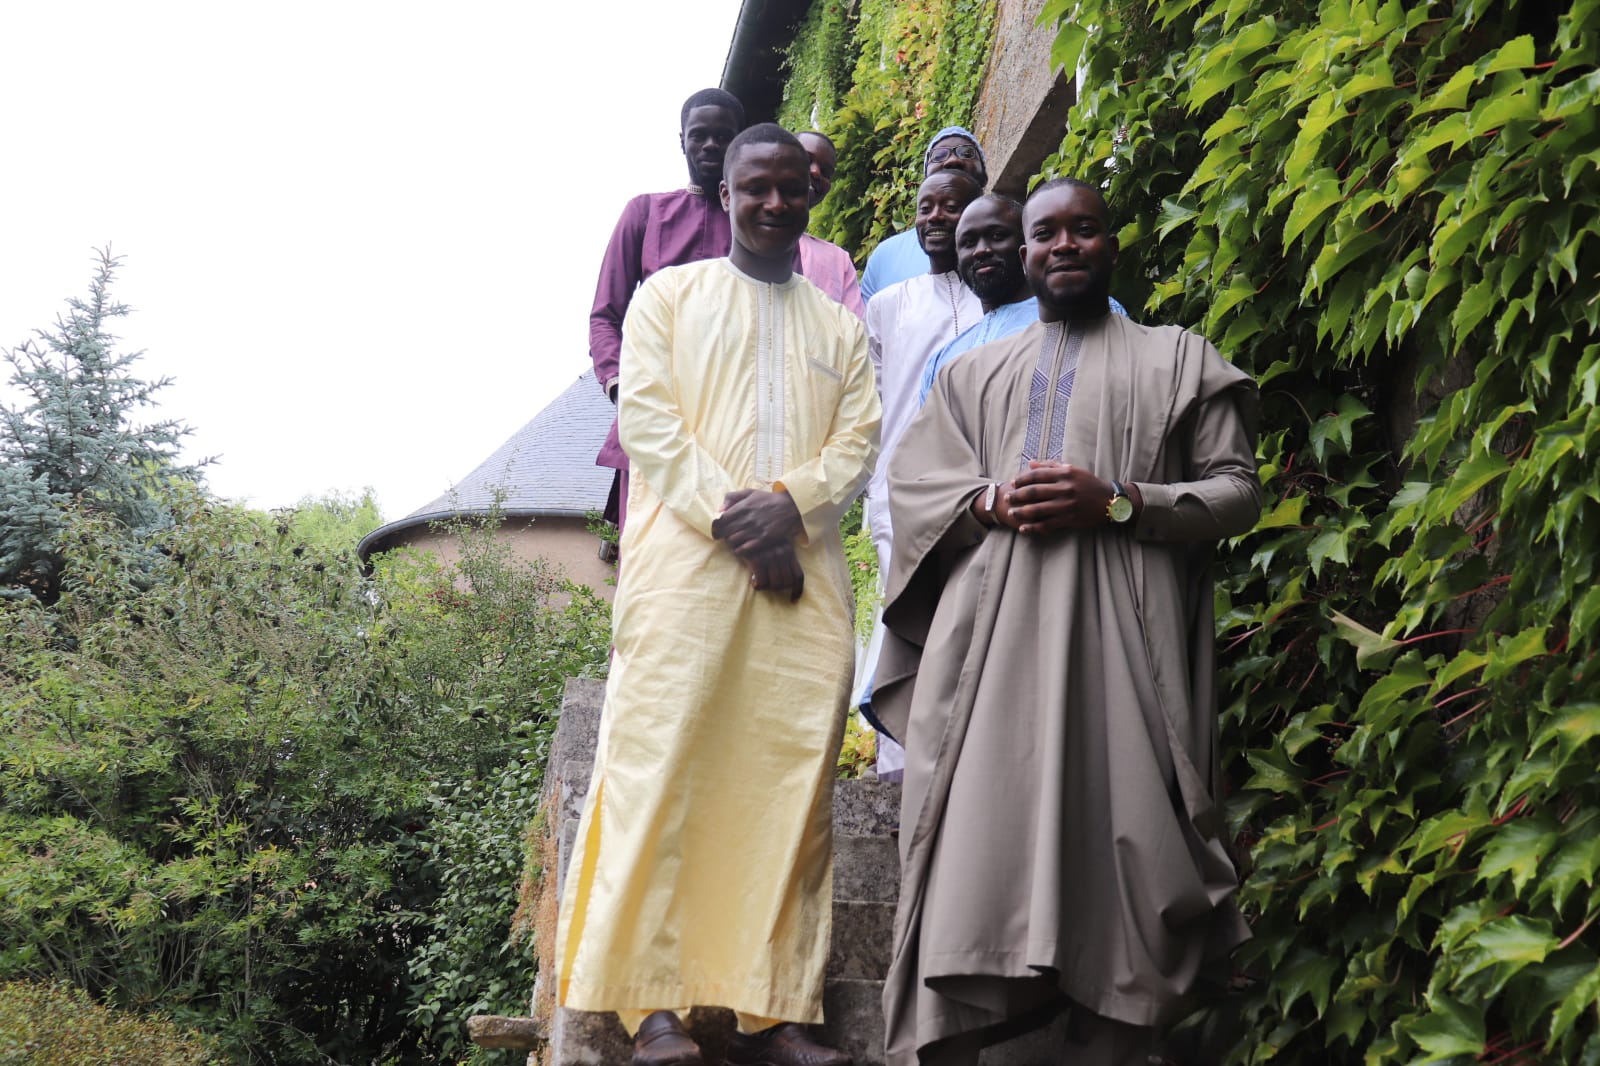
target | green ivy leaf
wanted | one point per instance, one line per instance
(1509, 943)
(1448, 1029)
(1577, 1003)
(1470, 478)
(1452, 95)
(1321, 193)
(1587, 612)
(1337, 427)
(1273, 773)
(1333, 543)
(1287, 512)
(1508, 652)
(1372, 649)
(1575, 97)
(1515, 54)
(1518, 847)
(1306, 973)
(1573, 866)
(1068, 47)
(1507, 105)
(1572, 728)
(1450, 829)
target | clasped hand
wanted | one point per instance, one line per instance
(759, 528)
(1049, 497)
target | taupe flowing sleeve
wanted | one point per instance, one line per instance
(1220, 493)
(934, 476)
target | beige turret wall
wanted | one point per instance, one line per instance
(564, 543)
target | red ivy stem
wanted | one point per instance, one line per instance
(1505, 1056)
(1516, 809)
(1501, 580)
(1480, 705)
(1576, 933)
(1435, 633)
(1451, 699)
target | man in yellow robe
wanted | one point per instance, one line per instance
(703, 869)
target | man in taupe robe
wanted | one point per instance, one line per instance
(1050, 668)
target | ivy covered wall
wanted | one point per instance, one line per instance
(881, 77)
(1388, 213)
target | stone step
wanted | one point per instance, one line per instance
(855, 1024)
(863, 938)
(866, 808)
(854, 1010)
(866, 868)
(854, 1013)
(511, 1034)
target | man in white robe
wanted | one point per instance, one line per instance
(703, 868)
(906, 324)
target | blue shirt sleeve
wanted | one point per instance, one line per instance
(894, 260)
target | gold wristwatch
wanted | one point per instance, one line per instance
(1120, 507)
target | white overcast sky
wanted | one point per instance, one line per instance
(361, 236)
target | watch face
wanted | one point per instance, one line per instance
(1120, 509)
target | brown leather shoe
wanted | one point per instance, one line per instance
(663, 1041)
(786, 1044)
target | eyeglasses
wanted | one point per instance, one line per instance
(960, 151)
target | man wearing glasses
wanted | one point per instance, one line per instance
(901, 257)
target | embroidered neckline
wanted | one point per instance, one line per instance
(951, 284)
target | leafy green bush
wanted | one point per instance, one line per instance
(56, 1025)
(247, 787)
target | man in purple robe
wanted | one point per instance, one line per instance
(684, 226)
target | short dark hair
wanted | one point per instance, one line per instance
(761, 133)
(1008, 202)
(820, 135)
(712, 98)
(960, 175)
(1073, 183)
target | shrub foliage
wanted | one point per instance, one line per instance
(42, 1023)
(279, 801)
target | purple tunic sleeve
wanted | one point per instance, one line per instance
(621, 271)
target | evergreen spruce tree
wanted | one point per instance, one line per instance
(73, 441)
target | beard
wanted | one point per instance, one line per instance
(1090, 301)
(707, 182)
(998, 287)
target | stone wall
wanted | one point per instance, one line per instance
(1022, 106)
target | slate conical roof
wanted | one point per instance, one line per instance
(545, 469)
